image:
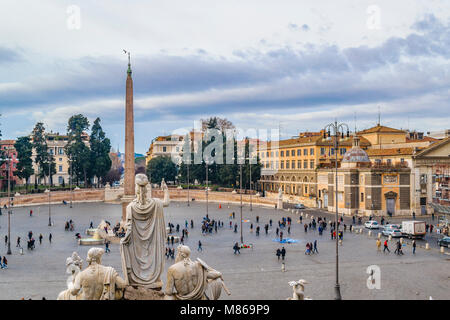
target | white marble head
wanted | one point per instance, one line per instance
(141, 180)
(95, 255)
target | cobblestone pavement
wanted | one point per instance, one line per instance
(254, 274)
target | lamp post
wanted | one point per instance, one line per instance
(250, 164)
(338, 130)
(9, 203)
(49, 187)
(240, 186)
(206, 187)
(188, 184)
(70, 179)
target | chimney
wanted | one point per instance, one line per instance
(355, 142)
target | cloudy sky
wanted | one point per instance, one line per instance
(260, 63)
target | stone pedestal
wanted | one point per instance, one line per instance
(140, 293)
(126, 199)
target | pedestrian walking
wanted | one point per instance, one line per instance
(378, 245)
(192, 224)
(289, 230)
(6, 240)
(50, 238)
(172, 239)
(235, 227)
(18, 242)
(386, 246)
(315, 247)
(270, 222)
(414, 246)
(4, 263)
(281, 236)
(277, 231)
(306, 227)
(283, 253)
(107, 246)
(257, 219)
(199, 246)
(236, 248)
(257, 230)
(31, 213)
(40, 238)
(278, 254)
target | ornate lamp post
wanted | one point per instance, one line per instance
(336, 130)
(188, 184)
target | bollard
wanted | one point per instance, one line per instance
(379, 235)
(427, 246)
(442, 250)
(390, 237)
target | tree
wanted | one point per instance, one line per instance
(161, 167)
(76, 149)
(112, 176)
(100, 147)
(24, 169)
(43, 158)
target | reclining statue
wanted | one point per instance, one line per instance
(192, 280)
(96, 282)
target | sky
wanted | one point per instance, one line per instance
(296, 65)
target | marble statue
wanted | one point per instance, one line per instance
(96, 282)
(298, 290)
(280, 199)
(143, 247)
(73, 266)
(192, 280)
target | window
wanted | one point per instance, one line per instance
(343, 151)
(60, 168)
(51, 151)
(61, 151)
(332, 151)
(293, 164)
(305, 152)
(267, 154)
(311, 151)
(299, 152)
(164, 149)
(271, 154)
(276, 153)
(282, 164)
(305, 164)
(299, 164)
(322, 151)
(311, 164)
(60, 159)
(389, 161)
(61, 180)
(362, 196)
(276, 164)
(378, 161)
(282, 153)
(287, 164)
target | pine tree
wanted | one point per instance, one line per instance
(100, 148)
(24, 169)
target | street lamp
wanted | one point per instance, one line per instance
(338, 132)
(188, 184)
(9, 203)
(206, 187)
(71, 179)
(49, 187)
(240, 186)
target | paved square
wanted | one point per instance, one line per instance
(254, 274)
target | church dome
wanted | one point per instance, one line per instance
(355, 154)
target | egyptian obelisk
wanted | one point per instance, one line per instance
(129, 188)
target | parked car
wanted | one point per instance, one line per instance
(394, 233)
(116, 184)
(300, 206)
(393, 226)
(444, 242)
(371, 225)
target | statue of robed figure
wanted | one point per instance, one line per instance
(143, 247)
